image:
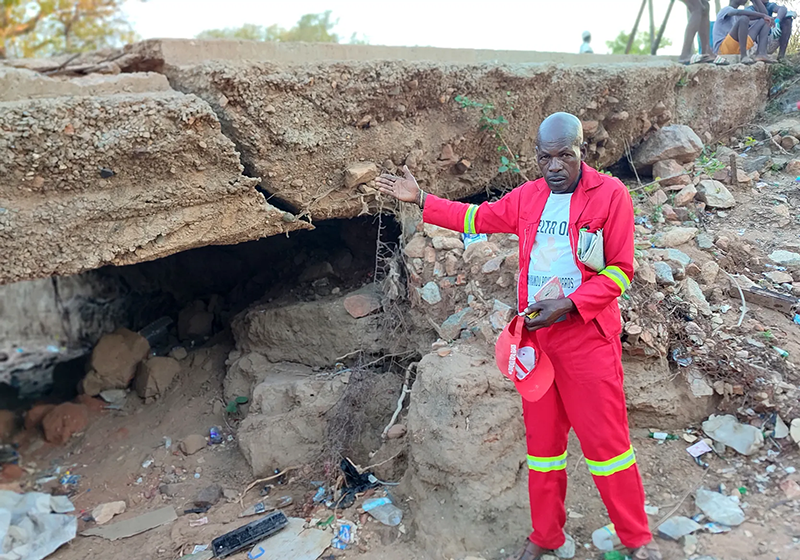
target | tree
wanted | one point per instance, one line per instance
(641, 44)
(310, 28)
(46, 27)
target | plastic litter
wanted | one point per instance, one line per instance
(215, 436)
(679, 526)
(198, 522)
(320, 495)
(719, 507)
(726, 429)
(354, 483)
(344, 536)
(470, 238)
(698, 449)
(605, 538)
(384, 511)
(256, 509)
(662, 436)
(29, 528)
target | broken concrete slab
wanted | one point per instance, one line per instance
(134, 526)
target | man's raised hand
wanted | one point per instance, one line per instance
(403, 188)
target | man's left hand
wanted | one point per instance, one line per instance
(549, 311)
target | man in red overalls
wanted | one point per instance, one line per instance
(579, 333)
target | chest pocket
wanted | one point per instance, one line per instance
(591, 224)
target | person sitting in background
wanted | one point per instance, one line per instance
(698, 25)
(586, 48)
(782, 30)
(737, 30)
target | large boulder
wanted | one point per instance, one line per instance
(467, 456)
(286, 426)
(154, 375)
(715, 194)
(114, 360)
(314, 333)
(246, 371)
(63, 421)
(676, 141)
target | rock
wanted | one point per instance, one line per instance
(360, 173)
(154, 376)
(705, 240)
(794, 430)
(430, 293)
(682, 214)
(754, 163)
(480, 251)
(208, 496)
(677, 236)
(646, 274)
(286, 424)
(195, 322)
(685, 195)
(779, 277)
(63, 421)
(492, 265)
(114, 360)
(744, 438)
(785, 258)
(709, 272)
(192, 444)
(663, 273)
(719, 507)
(396, 432)
(230, 494)
(172, 490)
(698, 384)
(361, 305)
(678, 526)
(790, 489)
(715, 194)
(789, 142)
(793, 167)
(781, 429)
(34, 417)
(179, 353)
(415, 249)
(670, 168)
(676, 141)
(658, 198)
(11, 473)
(695, 296)
(103, 513)
(673, 255)
(455, 323)
(8, 424)
(441, 243)
(693, 270)
(669, 213)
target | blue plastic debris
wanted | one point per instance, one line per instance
(797, 318)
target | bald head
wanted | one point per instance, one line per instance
(561, 127)
(560, 150)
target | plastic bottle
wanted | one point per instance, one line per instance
(605, 538)
(384, 511)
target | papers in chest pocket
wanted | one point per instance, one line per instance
(590, 249)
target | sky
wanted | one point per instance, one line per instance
(538, 25)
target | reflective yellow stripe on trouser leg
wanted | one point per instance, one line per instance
(547, 464)
(619, 277)
(469, 219)
(612, 466)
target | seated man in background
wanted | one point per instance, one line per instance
(737, 30)
(782, 30)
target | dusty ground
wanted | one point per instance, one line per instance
(109, 457)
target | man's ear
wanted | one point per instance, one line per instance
(584, 151)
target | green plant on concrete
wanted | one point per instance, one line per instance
(492, 121)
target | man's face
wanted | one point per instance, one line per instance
(560, 163)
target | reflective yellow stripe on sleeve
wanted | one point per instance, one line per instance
(469, 219)
(547, 464)
(619, 277)
(612, 466)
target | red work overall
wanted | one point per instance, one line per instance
(585, 350)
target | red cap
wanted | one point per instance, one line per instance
(519, 358)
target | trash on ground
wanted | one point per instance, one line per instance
(202, 555)
(744, 438)
(114, 396)
(199, 548)
(698, 449)
(215, 435)
(134, 526)
(716, 528)
(293, 542)
(21, 513)
(651, 510)
(719, 507)
(679, 526)
(384, 511)
(198, 522)
(662, 436)
(249, 534)
(781, 429)
(344, 535)
(284, 501)
(354, 483)
(256, 509)
(605, 538)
